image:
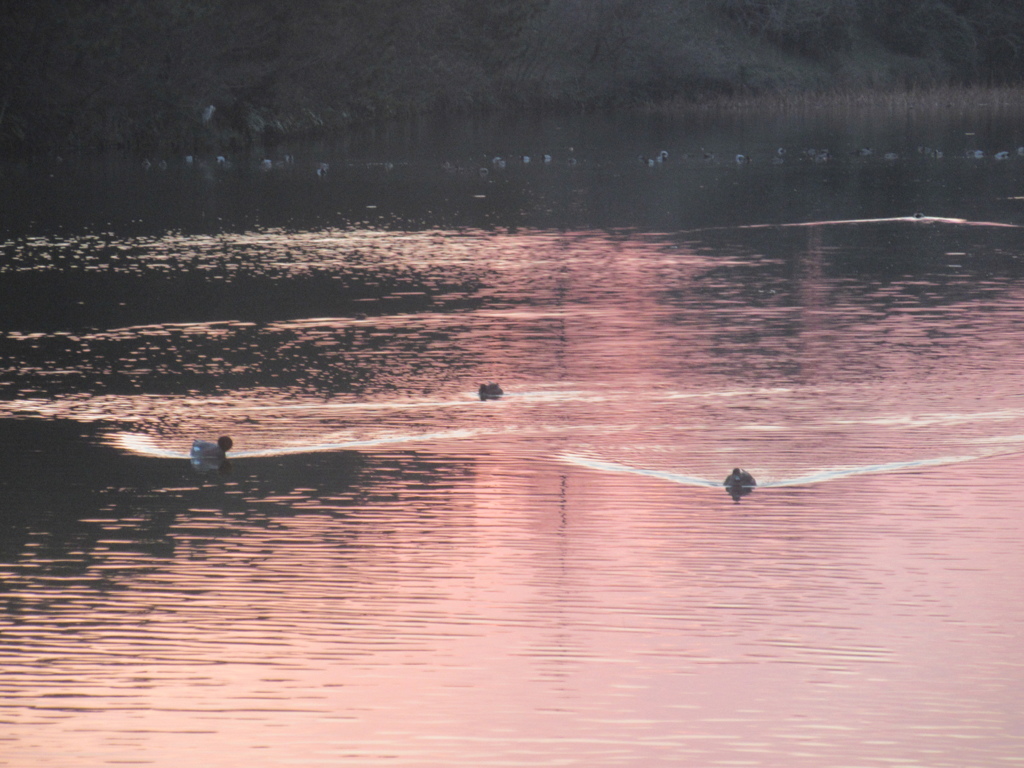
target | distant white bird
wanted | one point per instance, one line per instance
(547, 158)
(1002, 155)
(525, 159)
(662, 156)
(267, 164)
(321, 169)
(208, 114)
(742, 159)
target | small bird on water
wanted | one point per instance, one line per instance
(204, 449)
(490, 391)
(740, 478)
(739, 483)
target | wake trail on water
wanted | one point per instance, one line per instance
(916, 219)
(819, 476)
(144, 445)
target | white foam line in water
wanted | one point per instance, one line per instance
(913, 219)
(727, 393)
(470, 400)
(143, 445)
(938, 419)
(816, 477)
(835, 222)
(836, 474)
(454, 434)
(997, 440)
(341, 406)
(610, 466)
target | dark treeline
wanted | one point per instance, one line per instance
(132, 72)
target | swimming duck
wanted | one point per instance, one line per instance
(204, 449)
(490, 391)
(740, 478)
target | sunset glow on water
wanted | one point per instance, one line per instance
(390, 570)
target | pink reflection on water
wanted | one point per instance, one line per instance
(578, 586)
(627, 349)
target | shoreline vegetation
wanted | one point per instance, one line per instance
(936, 98)
(199, 74)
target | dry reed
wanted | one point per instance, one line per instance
(945, 99)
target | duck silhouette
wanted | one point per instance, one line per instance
(490, 391)
(739, 483)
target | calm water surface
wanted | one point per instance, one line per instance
(390, 571)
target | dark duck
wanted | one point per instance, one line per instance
(490, 391)
(739, 483)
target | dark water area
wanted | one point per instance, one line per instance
(387, 569)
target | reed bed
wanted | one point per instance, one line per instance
(943, 99)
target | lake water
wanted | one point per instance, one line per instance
(389, 571)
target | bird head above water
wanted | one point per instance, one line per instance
(740, 477)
